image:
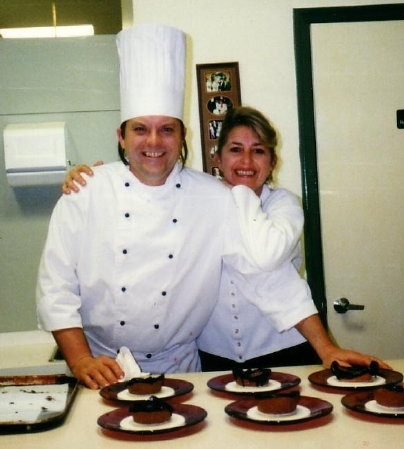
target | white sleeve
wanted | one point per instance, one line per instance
(283, 297)
(57, 293)
(269, 237)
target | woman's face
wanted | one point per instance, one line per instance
(245, 159)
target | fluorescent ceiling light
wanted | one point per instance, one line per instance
(37, 32)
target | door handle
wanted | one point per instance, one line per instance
(342, 305)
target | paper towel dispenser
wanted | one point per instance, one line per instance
(35, 153)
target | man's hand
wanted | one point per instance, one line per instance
(97, 372)
(94, 372)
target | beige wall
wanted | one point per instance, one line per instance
(259, 35)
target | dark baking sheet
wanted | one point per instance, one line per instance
(34, 393)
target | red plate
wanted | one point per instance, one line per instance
(286, 380)
(179, 386)
(191, 413)
(357, 401)
(320, 378)
(316, 408)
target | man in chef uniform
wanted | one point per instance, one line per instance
(135, 259)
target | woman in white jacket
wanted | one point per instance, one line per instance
(263, 318)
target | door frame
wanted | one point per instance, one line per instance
(303, 18)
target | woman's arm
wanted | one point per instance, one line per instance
(313, 330)
(269, 236)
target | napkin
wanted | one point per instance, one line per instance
(128, 365)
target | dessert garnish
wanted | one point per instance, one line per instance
(146, 380)
(351, 372)
(252, 376)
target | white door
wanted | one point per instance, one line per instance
(358, 79)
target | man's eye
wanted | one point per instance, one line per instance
(168, 129)
(235, 149)
(260, 150)
(138, 129)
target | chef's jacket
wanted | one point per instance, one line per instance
(257, 310)
(140, 266)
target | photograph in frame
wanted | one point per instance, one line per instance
(218, 91)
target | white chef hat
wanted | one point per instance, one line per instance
(152, 71)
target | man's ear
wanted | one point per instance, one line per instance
(119, 136)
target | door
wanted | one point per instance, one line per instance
(357, 79)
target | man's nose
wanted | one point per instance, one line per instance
(152, 138)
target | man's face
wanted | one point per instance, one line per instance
(152, 146)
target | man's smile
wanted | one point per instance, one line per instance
(153, 154)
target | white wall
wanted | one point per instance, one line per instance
(259, 35)
(256, 33)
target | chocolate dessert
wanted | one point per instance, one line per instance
(146, 385)
(278, 403)
(151, 411)
(390, 396)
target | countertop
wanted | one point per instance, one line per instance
(341, 429)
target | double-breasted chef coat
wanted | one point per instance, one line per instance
(256, 313)
(140, 266)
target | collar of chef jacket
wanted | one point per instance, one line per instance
(173, 181)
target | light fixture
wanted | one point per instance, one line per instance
(56, 31)
(51, 31)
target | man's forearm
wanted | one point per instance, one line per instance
(94, 372)
(73, 345)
